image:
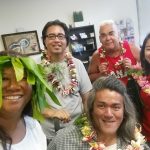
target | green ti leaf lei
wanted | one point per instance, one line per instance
(34, 77)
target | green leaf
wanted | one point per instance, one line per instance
(36, 111)
(1, 87)
(30, 78)
(35, 76)
(135, 71)
(36, 70)
(81, 120)
(4, 59)
(18, 67)
(30, 65)
(53, 97)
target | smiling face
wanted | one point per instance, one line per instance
(55, 41)
(15, 94)
(147, 50)
(108, 110)
(109, 37)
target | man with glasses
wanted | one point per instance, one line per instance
(114, 57)
(66, 76)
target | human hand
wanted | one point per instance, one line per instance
(62, 115)
(103, 68)
(127, 63)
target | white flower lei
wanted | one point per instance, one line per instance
(89, 136)
(55, 81)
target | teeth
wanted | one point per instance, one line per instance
(108, 121)
(12, 97)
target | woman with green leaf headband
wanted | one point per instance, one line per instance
(22, 89)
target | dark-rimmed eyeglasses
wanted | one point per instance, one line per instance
(53, 36)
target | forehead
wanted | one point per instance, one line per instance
(106, 28)
(147, 43)
(109, 97)
(55, 29)
(8, 71)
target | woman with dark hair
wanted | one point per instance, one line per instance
(140, 88)
(22, 90)
(110, 123)
(144, 55)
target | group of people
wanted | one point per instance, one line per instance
(58, 92)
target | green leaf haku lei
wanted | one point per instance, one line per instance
(34, 77)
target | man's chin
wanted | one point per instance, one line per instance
(57, 52)
(110, 48)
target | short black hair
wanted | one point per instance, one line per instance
(53, 23)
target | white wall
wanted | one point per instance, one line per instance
(33, 14)
(144, 18)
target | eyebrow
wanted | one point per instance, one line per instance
(147, 46)
(102, 102)
(107, 33)
(55, 34)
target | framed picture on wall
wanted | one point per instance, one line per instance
(23, 42)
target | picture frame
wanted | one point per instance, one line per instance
(26, 43)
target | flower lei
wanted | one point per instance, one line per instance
(118, 64)
(56, 81)
(89, 136)
(142, 81)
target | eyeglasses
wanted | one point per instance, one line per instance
(53, 36)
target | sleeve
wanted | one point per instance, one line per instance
(58, 142)
(84, 81)
(41, 137)
(146, 147)
(66, 139)
(52, 144)
(35, 135)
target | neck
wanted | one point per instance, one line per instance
(56, 57)
(107, 139)
(14, 127)
(9, 123)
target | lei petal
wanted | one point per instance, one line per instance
(52, 69)
(89, 136)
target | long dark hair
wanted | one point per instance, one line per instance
(144, 63)
(127, 127)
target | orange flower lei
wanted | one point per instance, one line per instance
(89, 136)
(55, 82)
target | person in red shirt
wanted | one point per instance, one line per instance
(139, 89)
(114, 57)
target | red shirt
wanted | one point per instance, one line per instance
(146, 113)
(118, 70)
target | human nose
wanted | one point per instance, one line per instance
(108, 112)
(108, 37)
(13, 84)
(57, 37)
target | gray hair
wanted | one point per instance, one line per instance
(108, 22)
(127, 127)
